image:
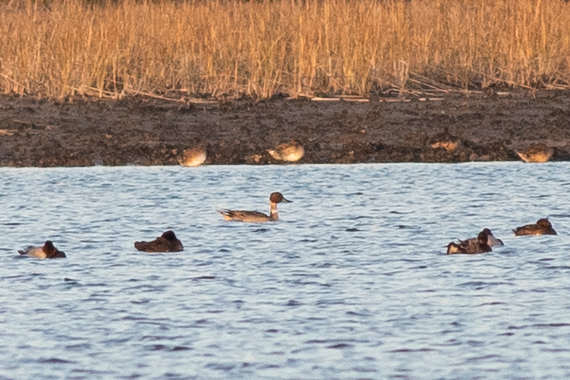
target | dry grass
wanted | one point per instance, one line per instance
(219, 48)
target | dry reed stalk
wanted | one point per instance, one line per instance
(57, 48)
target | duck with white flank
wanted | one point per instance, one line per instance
(291, 152)
(47, 251)
(542, 227)
(255, 216)
(167, 242)
(480, 246)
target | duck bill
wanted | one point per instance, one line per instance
(286, 200)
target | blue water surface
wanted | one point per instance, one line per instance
(351, 283)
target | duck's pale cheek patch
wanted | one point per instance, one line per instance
(452, 248)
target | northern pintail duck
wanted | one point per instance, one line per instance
(542, 227)
(444, 140)
(479, 246)
(193, 157)
(47, 251)
(491, 240)
(292, 151)
(255, 216)
(167, 242)
(536, 153)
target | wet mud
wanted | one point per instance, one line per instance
(142, 131)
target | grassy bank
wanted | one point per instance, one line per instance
(260, 48)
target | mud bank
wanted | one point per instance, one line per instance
(139, 131)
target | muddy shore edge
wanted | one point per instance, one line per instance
(143, 131)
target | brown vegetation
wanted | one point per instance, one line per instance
(234, 48)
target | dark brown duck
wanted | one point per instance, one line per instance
(167, 242)
(480, 246)
(542, 227)
(491, 240)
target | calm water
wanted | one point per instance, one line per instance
(351, 283)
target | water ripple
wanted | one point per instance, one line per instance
(352, 282)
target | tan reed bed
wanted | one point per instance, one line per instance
(259, 48)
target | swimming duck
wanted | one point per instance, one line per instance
(255, 216)
(536, 153)
(444, 140)
(193, 157)
(491, 240)
(291, 152)
(167, 242)
(542, 227)
(480, 246)
(47, 251)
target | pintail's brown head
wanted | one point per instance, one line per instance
(278, 198)
(543, 222)
(488, 232)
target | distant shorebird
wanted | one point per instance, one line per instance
(444, 140)
(47, 251)
(542, 227)
(167, 242)
(536, 153)
(292, 151)
(255, 216)
(193, 157)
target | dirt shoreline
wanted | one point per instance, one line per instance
(142, 131)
